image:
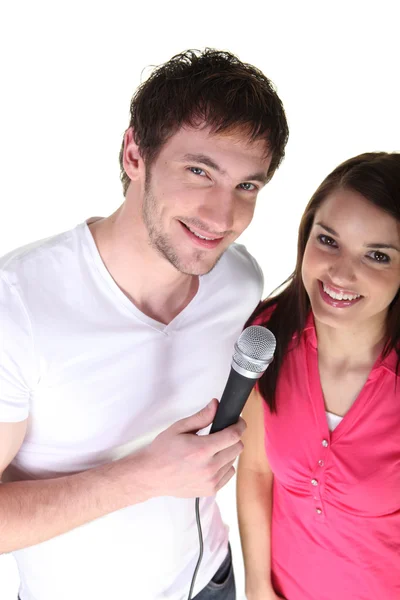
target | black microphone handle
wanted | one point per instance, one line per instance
(236, 392)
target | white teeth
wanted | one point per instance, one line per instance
(200, 236)
(340, 296)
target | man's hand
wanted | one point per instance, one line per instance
(180, 463)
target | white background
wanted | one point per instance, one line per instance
(67, 75)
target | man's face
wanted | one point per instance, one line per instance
(200, 195)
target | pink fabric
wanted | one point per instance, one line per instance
(336, 496)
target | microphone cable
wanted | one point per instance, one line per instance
(201, 544)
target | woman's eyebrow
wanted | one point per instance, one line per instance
(328, 229)
(378, 245)
(382, 246)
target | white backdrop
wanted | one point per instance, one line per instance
(69, 70)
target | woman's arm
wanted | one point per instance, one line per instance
(254, 499)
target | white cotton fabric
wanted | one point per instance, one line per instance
(97, 379)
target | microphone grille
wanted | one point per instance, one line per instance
(255, 348)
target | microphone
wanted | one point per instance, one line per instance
(254, 351)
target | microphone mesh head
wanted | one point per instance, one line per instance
(255, 349)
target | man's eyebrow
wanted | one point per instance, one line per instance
(260, 176)
(378, 245)
(205, 160)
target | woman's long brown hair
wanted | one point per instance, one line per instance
(374, 175)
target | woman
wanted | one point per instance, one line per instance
(319, 476)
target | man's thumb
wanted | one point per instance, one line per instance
(199, 420)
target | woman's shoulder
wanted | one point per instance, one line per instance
(263, 313)
(263, 316)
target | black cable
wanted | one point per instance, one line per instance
(201, 547)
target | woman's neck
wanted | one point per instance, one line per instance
(350, 348)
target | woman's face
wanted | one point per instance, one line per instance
(351, 264)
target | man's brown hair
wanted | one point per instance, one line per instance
(213, 88)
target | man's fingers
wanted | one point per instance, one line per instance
(225, 478)
(228, 455)
(227, 437)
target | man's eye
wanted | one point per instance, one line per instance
(247, 187)
(325, 240)
(197, 171)
(379, 257)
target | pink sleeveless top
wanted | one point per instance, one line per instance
(336, 495)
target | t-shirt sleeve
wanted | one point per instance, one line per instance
(17, 358)
(259, 275)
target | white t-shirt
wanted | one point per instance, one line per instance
(98, 379)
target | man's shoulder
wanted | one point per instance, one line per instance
(38, 258)
(237, 275)
(233, 288)
(242, 264)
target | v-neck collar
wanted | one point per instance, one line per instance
(368, 392)
(122, 298)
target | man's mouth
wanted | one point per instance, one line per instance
(202, 238)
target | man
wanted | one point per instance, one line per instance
(116, 334)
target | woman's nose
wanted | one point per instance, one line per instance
(342, 271)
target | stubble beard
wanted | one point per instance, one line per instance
(161, 242)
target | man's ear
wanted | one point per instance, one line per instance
(132, 160)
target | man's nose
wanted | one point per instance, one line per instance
(218, 211)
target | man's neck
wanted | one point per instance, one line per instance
(153, 285)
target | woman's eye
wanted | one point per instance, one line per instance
(325, 240)
(197, 171)
(247, 187)
(379, 257)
